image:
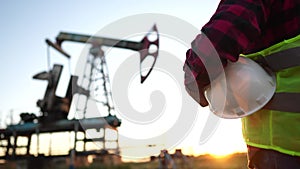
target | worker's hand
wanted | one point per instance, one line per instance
(194, 89)
(197, 93)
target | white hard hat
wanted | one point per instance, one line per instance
(244, 89)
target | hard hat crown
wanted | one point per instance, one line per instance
(244, 88)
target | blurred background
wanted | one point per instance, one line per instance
(23, 52)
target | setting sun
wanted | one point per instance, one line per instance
(220, 156)
(227, 139)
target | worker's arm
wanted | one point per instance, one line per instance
(234, 26)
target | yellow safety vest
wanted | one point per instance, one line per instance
(272, 128)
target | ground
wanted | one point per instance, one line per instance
(235, 161)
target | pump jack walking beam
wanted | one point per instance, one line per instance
(142, 47)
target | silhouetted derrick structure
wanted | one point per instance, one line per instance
(34, 136)
(53, 119)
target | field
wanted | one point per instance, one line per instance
(235, 161)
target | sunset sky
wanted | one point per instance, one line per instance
(23, 52)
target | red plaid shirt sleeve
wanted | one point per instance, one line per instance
(243, 26)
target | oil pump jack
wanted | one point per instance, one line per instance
(55, 109)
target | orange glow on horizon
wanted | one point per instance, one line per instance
(225, 155)
(216, 153)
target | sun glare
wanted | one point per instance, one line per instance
(220, 155)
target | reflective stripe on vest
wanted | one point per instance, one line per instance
(287, 102)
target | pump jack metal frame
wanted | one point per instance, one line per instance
(55, 109)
